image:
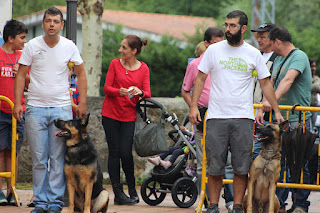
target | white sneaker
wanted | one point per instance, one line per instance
(204, 210)
(230, 208)
(298, 210)
(3, 199)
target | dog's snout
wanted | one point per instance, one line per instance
(259, 129)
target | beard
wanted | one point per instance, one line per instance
(233, 39)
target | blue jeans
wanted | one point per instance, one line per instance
(301, 194)
(47, 154)
(6, 132)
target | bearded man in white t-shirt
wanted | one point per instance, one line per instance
(230, 115)
(47, 57)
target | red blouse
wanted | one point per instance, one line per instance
(118, 107)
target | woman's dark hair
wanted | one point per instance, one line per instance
(13, 28)
(135, 42)
(54, 12)
(311, 61)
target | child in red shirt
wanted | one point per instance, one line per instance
(14, 35)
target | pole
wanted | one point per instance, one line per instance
(6, 14)
(71, 23)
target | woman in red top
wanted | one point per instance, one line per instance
(127, 81)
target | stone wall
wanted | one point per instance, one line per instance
(142, 167)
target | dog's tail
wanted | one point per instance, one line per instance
(100, 204)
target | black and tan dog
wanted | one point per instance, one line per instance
(82, 168)
(265, 171)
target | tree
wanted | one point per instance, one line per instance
(202, 8)
(91, 12)
(301, 18)
(25, 7)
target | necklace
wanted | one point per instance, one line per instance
(9, 57)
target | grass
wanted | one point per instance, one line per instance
(22, 186)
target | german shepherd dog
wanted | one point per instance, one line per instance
(265, 171)
(82, 168)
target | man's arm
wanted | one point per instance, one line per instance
(19, 85)
(186, 96)
(269, 93)
(82, 87)
(283, 88)
(194, 115)
(188, 81)
(286, 83)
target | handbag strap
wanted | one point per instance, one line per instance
(275, 80)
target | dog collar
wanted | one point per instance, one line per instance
(268, 152)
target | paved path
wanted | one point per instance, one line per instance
(166, 206)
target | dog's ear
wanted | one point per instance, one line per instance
(83, 126)
(85, 120)
(284, 126)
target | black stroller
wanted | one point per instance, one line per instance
(179, 179)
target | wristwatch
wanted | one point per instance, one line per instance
(142, 94)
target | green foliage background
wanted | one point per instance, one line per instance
(25, 7)
(166, 61)
(206, 8)
(302, 19)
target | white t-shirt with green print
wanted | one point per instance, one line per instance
(231, 79)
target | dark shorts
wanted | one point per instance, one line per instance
(6, 132)
(222, 133)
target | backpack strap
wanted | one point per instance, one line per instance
(272, 58)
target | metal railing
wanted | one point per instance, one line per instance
(12, 174)
(301, 185)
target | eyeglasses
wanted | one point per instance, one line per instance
(231, 26)
(262, 37)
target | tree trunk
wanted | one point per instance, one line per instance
(91, 12)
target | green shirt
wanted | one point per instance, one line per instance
(300, 90)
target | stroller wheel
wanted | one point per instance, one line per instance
(184, 192)
(151, 191)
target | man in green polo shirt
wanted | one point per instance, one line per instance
(292, 81)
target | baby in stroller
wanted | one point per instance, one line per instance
(174, 151)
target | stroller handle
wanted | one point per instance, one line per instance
(176, 138)
(150, 103)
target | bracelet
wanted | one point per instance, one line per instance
(142, 94)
